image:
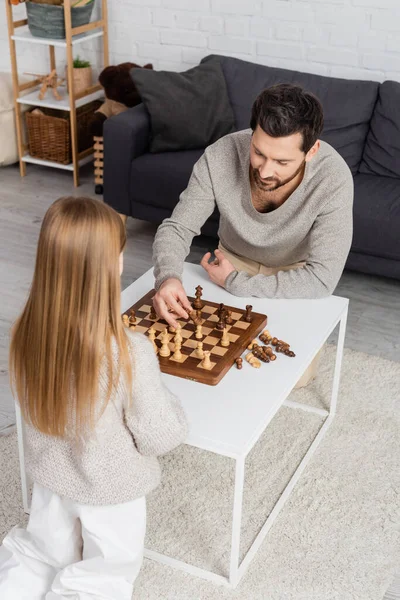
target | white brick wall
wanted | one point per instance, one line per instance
(342, 38)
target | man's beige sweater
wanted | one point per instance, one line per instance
(116, 462)
(313, 225)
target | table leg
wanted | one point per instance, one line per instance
(236, 521)
(338, 363)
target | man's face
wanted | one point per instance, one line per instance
(276, 161)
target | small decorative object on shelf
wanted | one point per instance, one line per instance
(51, 80)
(82, 75)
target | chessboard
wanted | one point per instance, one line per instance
(240, 333)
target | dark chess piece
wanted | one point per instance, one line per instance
(221, 323)
(153, 314)
(197, 304)
(132, 317)
(247, 316)
(98, 189)
(239, 363)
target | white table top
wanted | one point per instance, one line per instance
(229, 418)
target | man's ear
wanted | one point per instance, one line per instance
(313, 151)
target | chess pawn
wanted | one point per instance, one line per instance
(165, 351)
(228, 317)
(178, 335)
(177, 352)
(152, 338)
(132, 317)
(153, 314)
(225, 338)
(206, 362)
(239, 363)
(125, 320)
(252, 344)
(199, 350)
(199, 332)
(171, 329)
(252, 360)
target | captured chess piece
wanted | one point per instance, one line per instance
(252, 344)
(239, 362)
(206, 362)
(247, 316)
(125, 320)
(225, 341)
(265, 337)
(199, 350)
(198, 303)
(252, 360)
(165, 351)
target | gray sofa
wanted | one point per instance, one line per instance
(362, 122)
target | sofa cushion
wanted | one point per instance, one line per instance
(382, 149)
(187, 110)
(348, 104)
(159, 179)
(376, 216)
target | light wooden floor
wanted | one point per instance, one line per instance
(374, 315)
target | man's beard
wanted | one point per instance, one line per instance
(271, 184)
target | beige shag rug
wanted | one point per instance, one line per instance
(337, 537)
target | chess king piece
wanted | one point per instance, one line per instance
(225, 338)
(199, 350)
(206, 362)
(165, 351)
(199, 332)
(125, 320)
(197, 304)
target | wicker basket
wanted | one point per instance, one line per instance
(49, 134)
(47, 21)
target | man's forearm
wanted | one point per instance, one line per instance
(303, 282)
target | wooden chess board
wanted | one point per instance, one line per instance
(189, 367)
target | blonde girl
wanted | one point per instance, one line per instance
(96, 416)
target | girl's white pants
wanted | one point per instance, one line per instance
(73, 551)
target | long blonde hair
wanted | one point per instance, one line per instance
(65, 332)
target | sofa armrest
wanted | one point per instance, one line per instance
(126, 136)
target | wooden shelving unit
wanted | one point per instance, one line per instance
(19, 32)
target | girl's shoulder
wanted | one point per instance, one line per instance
(138, 343)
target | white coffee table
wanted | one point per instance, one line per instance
(229, 418)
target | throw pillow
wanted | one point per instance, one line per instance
(187, 110)
(382, 150)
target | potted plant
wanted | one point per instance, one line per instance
(82, 74)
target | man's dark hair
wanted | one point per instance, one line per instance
(285, 109)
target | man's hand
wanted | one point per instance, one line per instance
(171, 295)
(219, 269)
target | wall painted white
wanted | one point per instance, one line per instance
(343, 38)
